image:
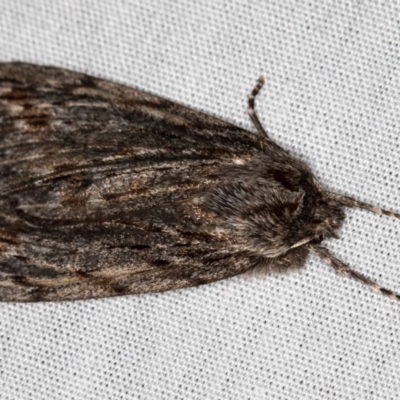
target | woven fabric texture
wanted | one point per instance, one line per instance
(331, 97)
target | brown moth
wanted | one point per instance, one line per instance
(107, 190)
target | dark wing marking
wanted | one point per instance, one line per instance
(101, 189)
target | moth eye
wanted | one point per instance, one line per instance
(317, 240)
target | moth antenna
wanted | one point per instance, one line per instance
(252, 112)
(353, 203)
(343, 269)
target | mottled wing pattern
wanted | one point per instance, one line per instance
(101, 189)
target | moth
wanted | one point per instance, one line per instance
(107, 190)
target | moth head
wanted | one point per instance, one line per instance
(322, 220)
(272, 221)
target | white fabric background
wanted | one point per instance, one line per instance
(332, 97)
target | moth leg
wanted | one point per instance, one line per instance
(353, 203)
(252, 112)
(343, 269)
